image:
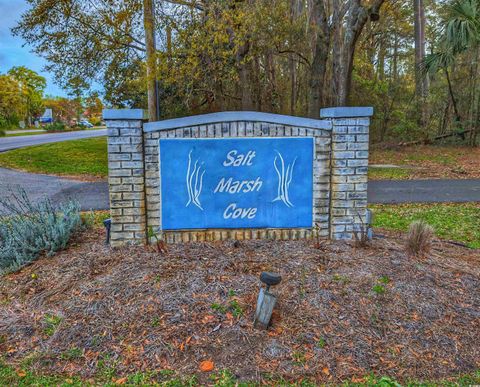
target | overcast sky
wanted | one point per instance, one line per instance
(11, 51)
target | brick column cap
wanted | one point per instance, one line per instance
(346, 112)
(124, 114)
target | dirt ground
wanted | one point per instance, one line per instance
(343, 311)
(431, 162)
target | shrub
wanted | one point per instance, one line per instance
(28, 229)
(55, 127)
(7, 123)
(78, 127)
(419, 238)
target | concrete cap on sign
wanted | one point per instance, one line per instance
(346, 112)
(124, 114)
(220, 117)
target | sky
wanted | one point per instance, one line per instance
(14, 52)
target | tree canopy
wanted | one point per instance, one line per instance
(293, 58)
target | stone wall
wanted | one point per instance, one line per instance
(126, 175)
(340, 170)
(349, 169)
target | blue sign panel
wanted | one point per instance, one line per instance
(236, 183)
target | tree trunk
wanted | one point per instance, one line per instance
(475, 100)
(382, 50)
(347, 32)
(458, 118)
(149, 26)
(316, 85)
(421, 81)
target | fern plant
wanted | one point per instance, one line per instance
(29, 229)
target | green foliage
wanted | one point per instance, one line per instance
(231, 306)
(321, 343)
(248, 55)
(51, 323)
(451, 221)
(378, 289)
(384, 280)
(219, 308)
(64, 110)
(55, 127)
(12, 106)
(31, 229)
(236, 309)
(33, 86)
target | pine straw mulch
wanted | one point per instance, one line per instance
(138, 310)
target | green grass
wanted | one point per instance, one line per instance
(459, 222)
(24, 134)
(10, 376)
(33, 132)
(87, 157)
(445, 159)
(385, 173)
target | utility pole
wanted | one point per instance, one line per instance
(149, 25)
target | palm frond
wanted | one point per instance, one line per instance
(462, 30)
(436, 61)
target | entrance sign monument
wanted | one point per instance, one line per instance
(237, 175)
(236, 183)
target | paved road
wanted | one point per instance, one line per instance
(9, 143)
(90, 195)
(424, 191)
(95, 195)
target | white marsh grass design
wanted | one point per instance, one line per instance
(284, 179)
(194, 181)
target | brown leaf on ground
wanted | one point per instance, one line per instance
(121, 381)
(207, 366)
(138, 308)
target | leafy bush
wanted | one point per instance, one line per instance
(7, 123)
(96, 121)
(55, 127)
(29, 229)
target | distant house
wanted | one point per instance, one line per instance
(47, 117)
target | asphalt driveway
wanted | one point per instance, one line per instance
(94, 196)
(9, 143)
(91, 196)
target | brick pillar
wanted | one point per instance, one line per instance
(349, 168)
(126, 175)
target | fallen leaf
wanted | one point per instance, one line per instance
(358, 380)
(208, 318)
(121, 381)
(207, 366)
(21, 373)
(326, 371)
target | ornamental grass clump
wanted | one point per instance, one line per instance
(28, 230)
(419, 238)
